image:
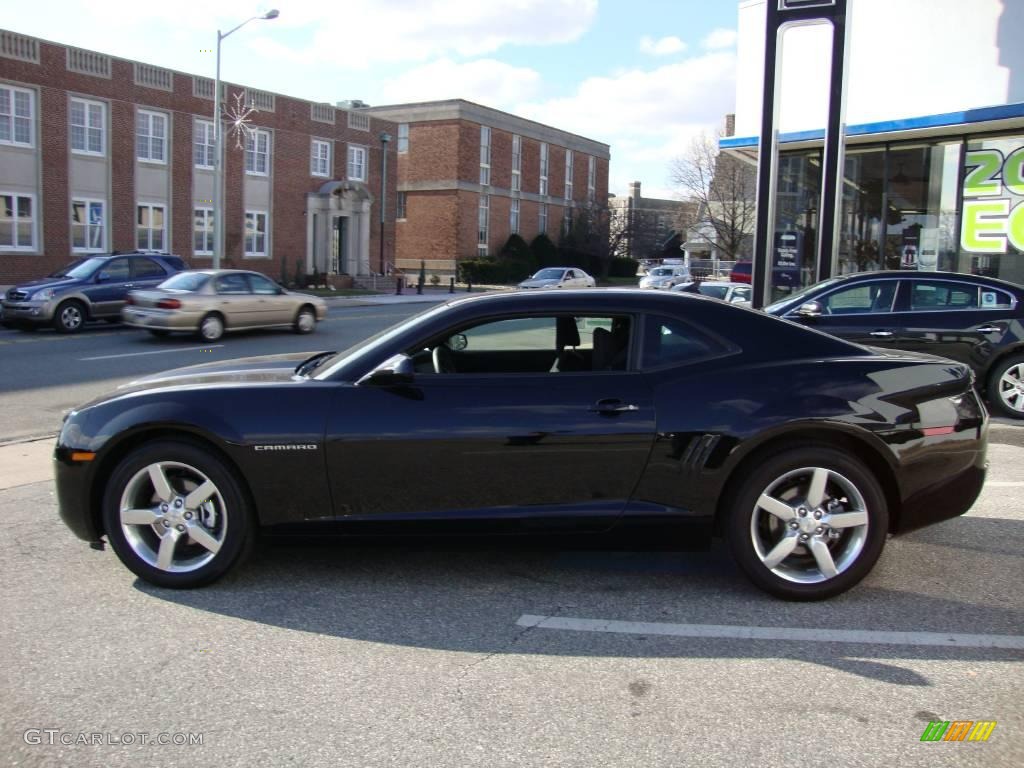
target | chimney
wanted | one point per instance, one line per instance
(729, 126)
(634, 192)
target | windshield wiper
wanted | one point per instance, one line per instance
(312, 362)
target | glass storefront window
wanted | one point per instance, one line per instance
(860, 220)
(796, 222)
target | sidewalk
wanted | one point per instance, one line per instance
(408, 296)
(25, 463)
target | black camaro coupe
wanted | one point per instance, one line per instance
(596, 413)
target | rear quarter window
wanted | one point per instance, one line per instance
(668, 341)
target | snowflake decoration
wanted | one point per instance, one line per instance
(239, 119)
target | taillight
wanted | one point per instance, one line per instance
(129, 300)
(169, 304)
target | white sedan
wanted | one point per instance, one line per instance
(731, 293)
(665, 277)
(560, 277)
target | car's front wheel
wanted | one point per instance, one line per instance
(176, 515)
(808, 523)
(69, 317)
(1006, 387)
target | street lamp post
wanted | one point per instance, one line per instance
(218, 147)
(385, 137)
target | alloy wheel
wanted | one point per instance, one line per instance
(1011, 387)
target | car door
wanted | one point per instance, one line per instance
(109, 288)
(272, 305)
(505, 442)
(862, 312)
(236, 301)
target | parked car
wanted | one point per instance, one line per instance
(212, 301)
(972, 319)
(665, 277)
(560, 277)
(611, 415)
(93, 288)
(741, 272)
(732, 293)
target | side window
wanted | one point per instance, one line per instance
(232, 284)
(995, 299)
(147, 269)
(116, 271)
(668, 341)
(937, 295)
(570, 275)
(262, 285)
(862, 298)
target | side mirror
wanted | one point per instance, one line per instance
(458, 342)
(103, 277)
(393, 371)
(810, 309)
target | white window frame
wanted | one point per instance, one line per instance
(89, 107)
(148, 245)
(485, 156)
(16, 219)
(320, 158)
(356, 165)
(203, 145)
(254, 154)
(89, 226)
(207, 230)
(483, 225)
(403, 138)
(144, 142)
(401, 201)
(253, 232)
(513, 217)
(517, 163)
(568, 174)
(9, 114)
(542, 186)
(542, 219)
(591, 177)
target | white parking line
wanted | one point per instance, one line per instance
(733, 632)
(154, 352)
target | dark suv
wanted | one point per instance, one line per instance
(93, 288)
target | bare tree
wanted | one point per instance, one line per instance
(724, 189)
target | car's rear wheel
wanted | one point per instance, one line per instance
(807, 523)
(176, 516)
(211, 327)
(1006, 387)
(305, 320)
(69, 317)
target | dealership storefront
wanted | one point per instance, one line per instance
(919, 190)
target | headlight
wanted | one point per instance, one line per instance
(44, 295)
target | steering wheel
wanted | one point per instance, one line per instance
(443, 360)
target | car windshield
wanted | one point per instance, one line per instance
(714, 291)
(548, 274)
(661, 271)
(185, 281)
(799, 297)
(81, 269)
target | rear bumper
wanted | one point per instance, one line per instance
(159, 320)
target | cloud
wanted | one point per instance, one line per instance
(486, 81)
(663, 47)
(719, 38)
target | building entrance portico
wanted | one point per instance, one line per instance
(338, 229)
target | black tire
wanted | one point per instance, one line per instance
(70, 316)
(159, 332)
(1005, 389)
(305, 320)
(756, 536)
(224, 518)
(211, 327)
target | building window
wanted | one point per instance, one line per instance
(87, 225)
(543, 188)
(202, 238)
(403, 138)
(255, 233)
(17, 222)
(542, 219)
(149, 227)
(568, 174)
(400, 206)
(483, 221)
(517, 163)
(485, 155)
(257, 153)
(16, 108)
(88, 123)
(591, 177)
(320, 158)
(356, 163)
(203, 144)
(566, 221)
(151, 136)
(513, 218)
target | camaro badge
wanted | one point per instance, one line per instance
(288, 447)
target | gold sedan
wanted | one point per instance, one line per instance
(212, 301)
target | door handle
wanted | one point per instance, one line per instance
(612, 406)
(881, 334)
(990, 329)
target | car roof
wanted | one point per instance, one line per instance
(904, 274)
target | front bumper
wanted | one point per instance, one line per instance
(28, 312)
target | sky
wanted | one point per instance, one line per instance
(644, 76)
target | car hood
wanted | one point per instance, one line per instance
(47, 282)
(538, 283)
(265, 369)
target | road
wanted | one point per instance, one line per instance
(446, 655)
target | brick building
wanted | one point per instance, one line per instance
(99, 153)
(469, 176)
